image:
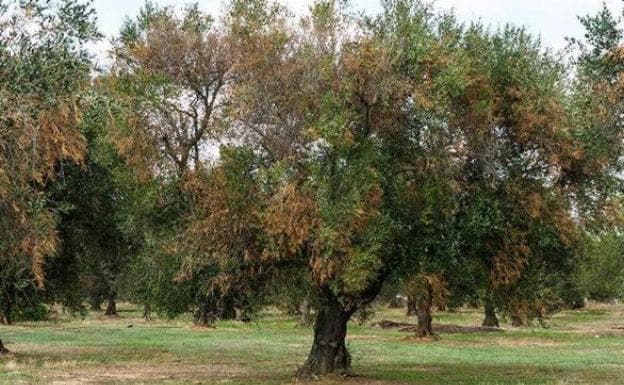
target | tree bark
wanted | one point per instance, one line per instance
(3, 350)
(111, 307)
(425, 328)
(490, 319)
(329, 354)
(424, 302)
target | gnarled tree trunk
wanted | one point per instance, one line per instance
(420, 298)
(424, 303)
(490, 319)
(111, 307)
(329, 354)
(425, 328)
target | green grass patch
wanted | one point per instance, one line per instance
(580, 347)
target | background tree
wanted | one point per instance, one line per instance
(94, 201)
(601, 267)
(175, 113)
(596, 108)
(427, 51)
(44, 69)
(517, 210)
(175, 108)
(425, 291)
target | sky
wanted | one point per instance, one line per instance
(553, 20)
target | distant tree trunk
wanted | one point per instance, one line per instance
(577, 304)
(244, 314)
(111, 307)
(395, 302)
(3, 350)
(205, 319)
(329, 354)
(304, 314)
(517, 319)
(5, 318)
(96, 303)
(228, 310)
(8, 298)
(205, 316)
(412, 304)
(490, 319)
(424, 302)
(147, 312)
(425, 319)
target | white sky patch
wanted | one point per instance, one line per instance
(553, 20)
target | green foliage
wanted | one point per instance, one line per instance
(44, 72)
(601, 267)
(595, 110)
(602, 33)
(94, 202)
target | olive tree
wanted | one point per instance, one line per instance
(44, 68)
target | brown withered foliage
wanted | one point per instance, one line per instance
(289, 220)
(175, 109)
(431, 286)
(224, 236)
(32, 144)
(225, 222)
(276, 90)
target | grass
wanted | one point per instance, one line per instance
(579, 347)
